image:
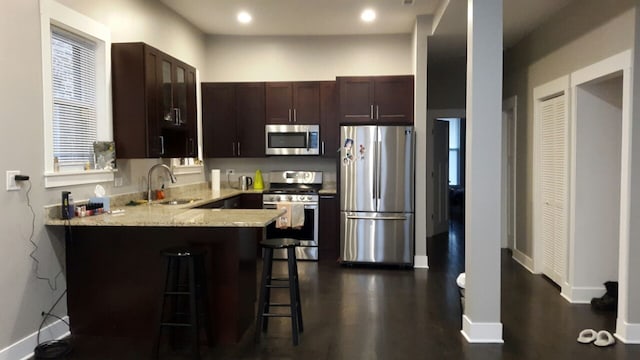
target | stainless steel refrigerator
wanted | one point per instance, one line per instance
(377, 194)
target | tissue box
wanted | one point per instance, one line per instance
(103, 200)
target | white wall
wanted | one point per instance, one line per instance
(597, 194)
(298, 58)
(581, 34)
(23, 297)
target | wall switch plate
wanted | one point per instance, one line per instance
(230, 171)
(12, 185)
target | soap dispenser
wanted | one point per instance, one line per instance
(257, 181)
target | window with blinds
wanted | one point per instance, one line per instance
(73, 70)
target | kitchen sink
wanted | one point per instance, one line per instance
(178, 201)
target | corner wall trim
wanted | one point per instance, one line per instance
(421, 262)
(523, 260)
(487, 333)
(23, 349)
(583, 294)
(628, 333)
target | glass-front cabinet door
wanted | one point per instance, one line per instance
(168, 112)
(180, 96)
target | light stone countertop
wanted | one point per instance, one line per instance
(158, 215)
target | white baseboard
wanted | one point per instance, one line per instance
(582, 294)
(523, 260)
(23, 349)
(421, 262)
(627, 333)
(488, 333)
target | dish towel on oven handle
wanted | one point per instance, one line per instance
(293, 216)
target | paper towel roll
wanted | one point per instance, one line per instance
(215, 180)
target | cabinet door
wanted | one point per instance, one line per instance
(152, 96)
(191, 117)
(394, 99)
(250, 107)
(218, 120)
(356, 99)
(329, 125)
(166, 90)
(329, 235)
(251, 201)
(306, 103)
(279, 108)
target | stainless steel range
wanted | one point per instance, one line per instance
(296, 187)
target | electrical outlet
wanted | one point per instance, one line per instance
(117, 181)
(12, 185)
(230, 172)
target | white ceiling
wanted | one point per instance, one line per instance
(341, 17)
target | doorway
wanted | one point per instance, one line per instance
(595, 224)
(509, 148)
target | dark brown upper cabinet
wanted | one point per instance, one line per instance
(329, 124)
(293, 102)
(154, 103)
(233, 119)
(376, 99)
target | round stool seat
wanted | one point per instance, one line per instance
(183, 252)
(280, 243)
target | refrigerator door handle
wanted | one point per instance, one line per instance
(378, 167)
(375, 174)
(356, 217)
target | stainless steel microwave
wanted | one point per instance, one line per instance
(292, 139)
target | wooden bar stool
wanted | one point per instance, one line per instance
(290, 282)
(185, 280)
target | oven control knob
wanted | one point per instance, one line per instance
(289, 197)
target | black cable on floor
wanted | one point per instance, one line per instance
(53, 349)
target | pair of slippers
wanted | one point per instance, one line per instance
(601, 338)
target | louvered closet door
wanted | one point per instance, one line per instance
(554, 187)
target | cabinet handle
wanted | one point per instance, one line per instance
(233, 148)
(193, 146)
(176, 116)
(295, 117)
(161, 144)
(238, 148)
(289, 115)
(323, 148)
(371, 113)
(377, 112)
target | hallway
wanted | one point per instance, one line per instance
(390, 313)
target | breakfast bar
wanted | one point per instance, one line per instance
(115, 269)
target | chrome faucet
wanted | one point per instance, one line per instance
(168, 169)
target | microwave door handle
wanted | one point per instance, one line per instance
(308, 147)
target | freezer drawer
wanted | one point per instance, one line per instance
(376, 237)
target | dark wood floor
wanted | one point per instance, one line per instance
(390, 313)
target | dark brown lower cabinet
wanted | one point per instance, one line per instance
(329, 232)
(115, 279)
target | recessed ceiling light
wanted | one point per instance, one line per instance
(244, 17)
(368, 15)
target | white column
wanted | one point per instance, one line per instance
(628, 321)
(421, 32)
(481, 321)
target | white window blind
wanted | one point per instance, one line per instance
(73, 62)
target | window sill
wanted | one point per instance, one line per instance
(187, 169)
(68, 178)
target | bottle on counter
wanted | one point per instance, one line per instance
(258, 184)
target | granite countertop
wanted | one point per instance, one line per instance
(159, 215)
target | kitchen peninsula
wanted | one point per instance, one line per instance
(115, 271)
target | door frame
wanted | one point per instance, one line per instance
(617, 63)
(433, 115)
(510, 104)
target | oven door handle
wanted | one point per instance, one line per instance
(273, 205)
(376, 218)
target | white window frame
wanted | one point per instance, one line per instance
(53, 13)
